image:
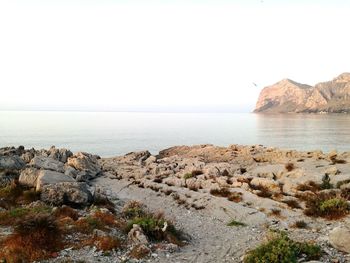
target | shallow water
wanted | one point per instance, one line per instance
(115, 133)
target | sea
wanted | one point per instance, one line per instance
(117, 133)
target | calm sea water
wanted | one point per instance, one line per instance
(114, 133)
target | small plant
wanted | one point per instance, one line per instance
(292, 203)
(327, 205)
(289, 166)
(133, 209)
(309, 186)
(339, 161)
(192, 174)
(281, 249)
(188, 176)
(326, 182)
(104, 243)
(300, 224)
(235, 197)
(275, 212)
(66, 211)
(235, 223)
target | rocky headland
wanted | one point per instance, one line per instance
(187, 204)
(288, 96)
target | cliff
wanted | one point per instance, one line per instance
(288, 96)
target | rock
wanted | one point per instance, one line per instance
(61, 155)
(68, 193)
(70, 171)
(270, 184)
(29, 176)
(11, 151)
(151, 159)
(332, 155)
(288, 96)
(28, 156)
(137, 157)
(50, 177)
(139, 252)
(136, 236)
(332, 170)
(339, 238)
(11, 163)
(47, 163)
(33, 177)
(85, 162)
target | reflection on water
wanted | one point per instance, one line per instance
(115, 133)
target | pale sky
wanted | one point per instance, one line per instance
(110, 55)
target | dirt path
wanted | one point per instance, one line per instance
(211, 240)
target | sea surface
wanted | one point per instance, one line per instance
(116, 133)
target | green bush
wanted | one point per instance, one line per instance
(281, 249)
(235, 223)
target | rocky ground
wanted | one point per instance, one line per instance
(201, 189)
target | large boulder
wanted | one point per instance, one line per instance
(11, 163)
(85, 162)
(267, 183)
(47, 163)
(38, 178)
(339, 238)
(68, 193)
(61, 155)
(136, 236)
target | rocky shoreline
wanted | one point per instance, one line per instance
(223, 200)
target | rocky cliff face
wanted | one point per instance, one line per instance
(287, 96)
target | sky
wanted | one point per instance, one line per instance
(164, 55)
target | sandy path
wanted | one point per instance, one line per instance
(211, 240)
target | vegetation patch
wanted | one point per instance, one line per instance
(300, 224)
(289, 167)
(235, 223)
(309, 186)
(328, 205)
(281, 249)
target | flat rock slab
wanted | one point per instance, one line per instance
(47, 163)
(11, 163)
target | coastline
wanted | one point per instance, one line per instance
(200, 189)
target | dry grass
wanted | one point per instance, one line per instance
(35, 237)
(292, 203)
(275, 212)
(66, 211)
(300, 224)
(104, 243)
(225, 192)
(309, 186)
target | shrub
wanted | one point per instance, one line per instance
(292, 203)
(326, 182)
(12, 216)
(156, 228)
(104, 202)
(66, 211)
(289, 166)
(192, 174)
(327, 205)
(235, 197)
(281, 249)
(275, 212)
(300, 224)
(309, 186)
(133, 209)
(235, 223)
(225, 192)
(104, 243)
(36, 237)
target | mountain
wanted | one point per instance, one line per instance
(288, 96)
